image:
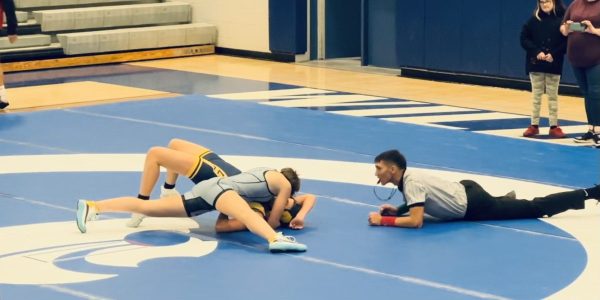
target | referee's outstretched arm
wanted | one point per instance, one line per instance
(414, 219)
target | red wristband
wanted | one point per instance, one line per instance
(388, 221)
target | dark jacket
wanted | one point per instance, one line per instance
(544, 36)
(8, 6)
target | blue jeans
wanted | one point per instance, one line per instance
(589, 83)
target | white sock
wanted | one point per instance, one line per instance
(3, 94)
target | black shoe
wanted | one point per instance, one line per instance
(594, 193)
(3, 104)
(585, 138)
(596, 140)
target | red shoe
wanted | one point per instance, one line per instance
(531, 131)
(557, 133)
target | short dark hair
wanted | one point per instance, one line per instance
(392, 156)
(293, 178)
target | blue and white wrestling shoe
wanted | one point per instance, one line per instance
(85, 213)
(286, 244)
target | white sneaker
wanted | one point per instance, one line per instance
(135, 220)
(286, 244)
(168, 192)
(85, 213)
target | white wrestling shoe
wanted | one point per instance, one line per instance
(85, 213)
(168, 192)
(286, 244)
(135, 220)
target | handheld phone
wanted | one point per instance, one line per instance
(577, 27)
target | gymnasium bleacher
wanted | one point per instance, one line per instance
(65, 28)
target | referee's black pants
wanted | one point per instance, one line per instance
(483, 206)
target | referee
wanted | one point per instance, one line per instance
(466, 200)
